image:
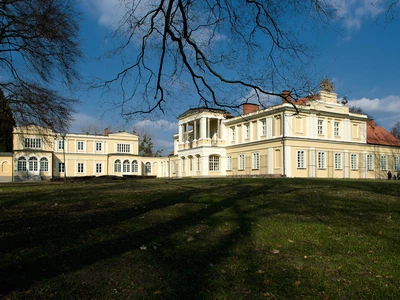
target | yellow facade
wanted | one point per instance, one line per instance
(320, 138)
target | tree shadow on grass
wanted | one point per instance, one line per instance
(185, 267)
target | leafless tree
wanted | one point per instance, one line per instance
(395, 130)
(38, 57)
(217, 51)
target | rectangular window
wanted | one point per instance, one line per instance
(60, 144)
(247, 128)
(241, 162)
(383, 163)
(353, 161)
(214, 163)
(320, 127)
(123, 148)
(300, 159)
(229, 163)
(198, 163)
(396, 163)
(336, 129)
(61, 167)
(183, 164)
(80, 145)
(233, 134)
(255, 160)
(98, 146)
(321, 160)
(370, 162)
(338, 161)
(80, 167)
(264, 127)
(98, 168)
(33, 143)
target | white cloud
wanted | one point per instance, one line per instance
(385, 111)
(162, 125)
(353, 13)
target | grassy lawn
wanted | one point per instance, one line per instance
(201, 239)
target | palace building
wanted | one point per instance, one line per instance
(311, 137)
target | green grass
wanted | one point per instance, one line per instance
(201, 239)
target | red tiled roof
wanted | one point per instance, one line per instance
(378, 135)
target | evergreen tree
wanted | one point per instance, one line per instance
(146, 147)
(6, 124)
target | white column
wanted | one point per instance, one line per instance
(180, 139)
(223, 131)
(195, 130)
(208, 129)
(258, 125)
(203, 128)
(311, 163)
(204, 165)
(270, 160)
(346, 164)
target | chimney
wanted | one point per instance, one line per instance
(249, 108)
(286, 96)
(106, 132)
(371, 123)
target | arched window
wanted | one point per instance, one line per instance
(135, 166)
(21, 164)
(117, 166)
(44, 164)
(148, 167)
(214, 163)
(126, 166)
(33, 164)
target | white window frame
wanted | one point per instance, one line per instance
(61, 167)
(336, 129)
(99, 168)
(21, 164)
(33, 164)
(370, 162)
(396, 163)
(80, 146)
(338, 161)
(80, 168)
(353, 161)
(213, 163)
(148, 167)
(264, 127)
(229, 162)
(123, 148)
(255, 160)
(117, 166)
(60, 144)
(321, 156)
(44, 164)
(99, 146)
(241, 161)
(33, 143)
(320, 127)
(233, 136)
(383, 162)
(301, 159)
(247, 130)
(126, 166)
(135, 166)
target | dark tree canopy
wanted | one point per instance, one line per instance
(38, 56)
(146, 147)
(6, 125)
(214, 51)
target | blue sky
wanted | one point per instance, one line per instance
(360, 56)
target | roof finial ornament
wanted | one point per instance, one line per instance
(326, 85)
